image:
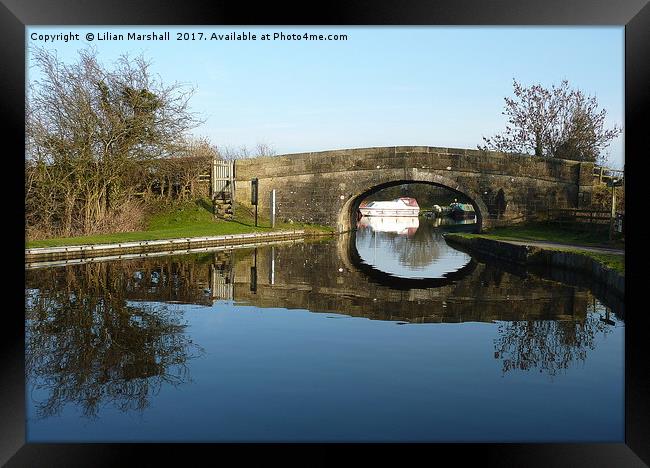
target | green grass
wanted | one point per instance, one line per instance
(613, 261)
(555, 233)
(188, 219)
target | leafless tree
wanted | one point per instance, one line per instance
(188, 163)
(548, 346)
(88, 129)
(230, 153)
(263, 150)
(559, 122)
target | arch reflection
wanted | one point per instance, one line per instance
(407, 252)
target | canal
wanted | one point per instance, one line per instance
(383, 334)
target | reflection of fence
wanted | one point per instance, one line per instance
(221, 284)
(222, 277)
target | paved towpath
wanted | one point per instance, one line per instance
(607, 250)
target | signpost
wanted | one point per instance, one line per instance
(254, 187)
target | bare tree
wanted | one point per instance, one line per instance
(559, 122)
(229, 153)
(263, 150)
(88, 128)
(188, 163)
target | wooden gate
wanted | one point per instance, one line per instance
(222, 188)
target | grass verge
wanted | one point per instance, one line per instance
(613, 261)
(187, 219)
(555, 233)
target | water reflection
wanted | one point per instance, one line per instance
(401, 225)
(88, 343)
(418, 251)
(116, 333)
(549, 346)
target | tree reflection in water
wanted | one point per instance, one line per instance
(551, 346)
(420, 250)
(416, 247)
(87, 345)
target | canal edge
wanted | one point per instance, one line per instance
(88, 251)
(534, 255)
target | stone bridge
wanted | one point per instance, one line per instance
(327, 187)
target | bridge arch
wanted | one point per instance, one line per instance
(347, 215)
(324, 187)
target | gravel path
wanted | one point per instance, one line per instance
(606, 250)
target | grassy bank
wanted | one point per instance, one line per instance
(552, 232)
(613, 261)
(188, 219)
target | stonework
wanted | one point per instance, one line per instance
(327, 187)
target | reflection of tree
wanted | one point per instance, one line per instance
(548, 345)
(86, 345)
(420, 250)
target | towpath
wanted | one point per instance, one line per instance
(548, 244)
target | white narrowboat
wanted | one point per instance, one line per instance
(403, 206)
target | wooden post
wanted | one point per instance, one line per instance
(231, 171)
(272, 267)
(613, 212)
(253, 284)
(213, 186)
(272, 203)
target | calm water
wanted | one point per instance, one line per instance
(384, 335)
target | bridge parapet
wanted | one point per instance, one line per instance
(396, 157)
(326, 187)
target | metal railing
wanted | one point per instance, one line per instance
(605, 174)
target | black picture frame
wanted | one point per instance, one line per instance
(15, 15)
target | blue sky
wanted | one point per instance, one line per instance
(383, 86)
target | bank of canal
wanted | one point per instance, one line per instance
(605, 265)
(187, 244)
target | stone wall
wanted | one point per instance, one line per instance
(327, 187)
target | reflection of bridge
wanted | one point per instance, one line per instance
(88, 321)
(477, 293)
(328, 277)
(327, 187)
